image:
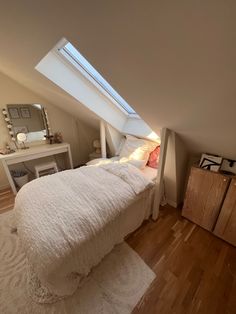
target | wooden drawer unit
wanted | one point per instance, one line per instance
(205, 194)
(226, 223)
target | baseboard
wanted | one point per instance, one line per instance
(172, 203)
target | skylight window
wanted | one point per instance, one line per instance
(72, 54)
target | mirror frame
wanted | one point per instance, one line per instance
(9, 124)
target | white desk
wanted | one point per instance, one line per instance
(32, 153)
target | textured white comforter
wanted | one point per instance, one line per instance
(68, 222)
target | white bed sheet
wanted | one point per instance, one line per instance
(150, 173)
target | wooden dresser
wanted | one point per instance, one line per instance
(210, 202)
(226, 223)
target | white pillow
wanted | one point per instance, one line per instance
(137, 149)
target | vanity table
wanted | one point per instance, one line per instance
(32, 153)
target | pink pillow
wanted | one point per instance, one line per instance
(153, 160)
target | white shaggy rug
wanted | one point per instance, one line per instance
(114, 286)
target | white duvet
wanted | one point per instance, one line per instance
(69, 221)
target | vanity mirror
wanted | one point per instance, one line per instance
(31, 119)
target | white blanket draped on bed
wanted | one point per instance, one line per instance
(69, 221)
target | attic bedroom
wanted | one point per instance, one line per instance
(117, 157)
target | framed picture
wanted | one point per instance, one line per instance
(20, 129)
(210, 162)
(25, 113)
(14, 113)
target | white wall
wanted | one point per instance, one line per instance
(74, 132)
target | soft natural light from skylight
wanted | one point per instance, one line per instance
(73, 53)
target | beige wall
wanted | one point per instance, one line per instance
(175, 63)
(86, 135)
(175, 170)
(80, 136)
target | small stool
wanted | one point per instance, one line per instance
(45, 168)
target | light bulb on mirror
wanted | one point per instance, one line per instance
(21, 138)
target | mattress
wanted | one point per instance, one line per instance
(69, 221)
(150, 173)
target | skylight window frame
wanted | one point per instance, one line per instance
(72, 60)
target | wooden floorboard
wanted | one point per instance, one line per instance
(7, 199)
(195, 271)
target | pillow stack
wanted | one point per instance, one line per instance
(136, 151)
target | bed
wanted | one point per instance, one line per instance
(150, 173)
(69, 221)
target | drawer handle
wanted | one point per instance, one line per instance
(225, 181)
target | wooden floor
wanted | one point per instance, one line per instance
(6, 200)
(195, 271)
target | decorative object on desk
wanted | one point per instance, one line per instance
(7, 150)
(14, 113)
(2, 151)
(25, 112)
(50, 138)
(22, 138)
(58, 137)
(9, 126)
(21, 177)
(210, 162)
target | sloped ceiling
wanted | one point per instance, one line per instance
(173, 61)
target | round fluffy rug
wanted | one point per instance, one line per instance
(114, 286)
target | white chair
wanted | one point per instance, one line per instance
(45, 168)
